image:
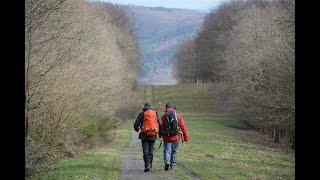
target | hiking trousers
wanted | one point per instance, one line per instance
(147, 148)
(170, 152)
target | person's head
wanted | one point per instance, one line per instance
(170, 105)
(146, 106)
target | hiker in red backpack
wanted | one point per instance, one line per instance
(149, 124)
(173, 127)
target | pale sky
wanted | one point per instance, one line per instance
(200, 5)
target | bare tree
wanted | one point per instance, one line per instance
(249, 45)
(81, 60)
(186, 66)
(260, 60)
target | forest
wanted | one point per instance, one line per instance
(81, 60)
(246, 49)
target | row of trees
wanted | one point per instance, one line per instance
(81, 60)
(249, 47)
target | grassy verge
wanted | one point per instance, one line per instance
(99, 163)
(186, 97)
(217, 151)
(217, 148)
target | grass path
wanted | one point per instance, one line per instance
(218, 148)
(132, 164)
(122, 159)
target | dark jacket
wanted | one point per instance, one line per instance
(138, 123)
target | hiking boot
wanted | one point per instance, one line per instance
(147, 167)
(172, 166)
(166, 167)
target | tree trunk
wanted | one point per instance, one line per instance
(276, 135)
(27, 84)
(26, 124)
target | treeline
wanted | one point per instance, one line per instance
(81, 60)
(247, 50)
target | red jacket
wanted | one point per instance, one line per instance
(182, 126)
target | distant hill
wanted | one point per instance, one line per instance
(159, 30)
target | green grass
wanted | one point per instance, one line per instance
(186, 97)
(99, 163)
(217, 151)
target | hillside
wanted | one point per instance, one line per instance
(159, 30)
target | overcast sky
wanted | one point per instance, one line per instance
(201, 5)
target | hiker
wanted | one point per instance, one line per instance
(149, 124)
(173, 127)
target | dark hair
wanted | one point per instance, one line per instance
(170, 105)
(147, 106)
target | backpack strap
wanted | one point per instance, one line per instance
(175, 115)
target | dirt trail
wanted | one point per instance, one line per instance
(132, 165)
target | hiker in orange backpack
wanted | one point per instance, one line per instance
(149, 124)
(174, 129)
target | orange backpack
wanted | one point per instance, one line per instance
(150, 124)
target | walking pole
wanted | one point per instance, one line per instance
(181, 136)
(160, 143)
